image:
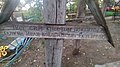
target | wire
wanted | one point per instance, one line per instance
(18, 51)
(27, 42)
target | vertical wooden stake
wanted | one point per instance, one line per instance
(54, 13)
(94, 8)
(81, 7)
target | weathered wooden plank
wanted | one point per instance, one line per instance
(99, 18)
(52, 28)
(53, 31)
(56, 35)
(55, 11)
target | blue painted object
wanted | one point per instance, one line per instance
(17, 45)
(17, 42)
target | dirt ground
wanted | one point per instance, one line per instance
(87, 54)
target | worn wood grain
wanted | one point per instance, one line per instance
(99, 18)
(81, 10)
(81, 6)
(54, 13)
(36, 30)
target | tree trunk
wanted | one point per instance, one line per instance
(8, 9)
(108, 2)
(54, 13)
(81, 6)
(103, 7)
(96, 1)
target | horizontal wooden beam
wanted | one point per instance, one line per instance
(37, 30)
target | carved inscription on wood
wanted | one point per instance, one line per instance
(53, 31)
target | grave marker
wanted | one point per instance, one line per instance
(38, 30)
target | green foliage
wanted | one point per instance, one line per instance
(34, 13)
(1, 3)
(71, 7)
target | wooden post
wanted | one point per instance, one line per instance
(54, 13)
(94, 8)
(81, 7)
